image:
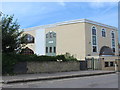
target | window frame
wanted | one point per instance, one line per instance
(54, 49)
(46, 49)
(113, 42)
(50, 49)
(29, 38)
(103, 32)
(105, 64)
(94, 35)
(112, 63)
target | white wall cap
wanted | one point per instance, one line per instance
(70, 22)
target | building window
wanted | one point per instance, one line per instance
(50, 35)
(54, 49)
(50, 49)
(94, 39)
(46, 49)
(106, 64)
(46, 35)
(94, 49)
(113, 40)
(93, 31)
(103, 33)
(29, 39)
(113, 36)
(111, 64)
(50, 43)
(54, 35)
(113, 49)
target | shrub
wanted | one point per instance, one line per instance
(9, 60)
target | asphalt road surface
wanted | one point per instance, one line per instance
(101, 81)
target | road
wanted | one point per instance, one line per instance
(101, 81)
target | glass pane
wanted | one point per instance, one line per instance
(46, 35)
(54, 49)
(113, 35)
(94, 48)
(50, 35)
(106, 64)
(50, 49)
(113, 49)
(103, 34)
(94, 40)
(54, 35)
(113, 42)
(93, 31)
(111, 64)
(46, 49)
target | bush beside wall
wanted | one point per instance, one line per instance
(10, 60)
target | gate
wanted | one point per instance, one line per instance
(83, 65)
(93, 64)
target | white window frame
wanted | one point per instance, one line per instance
(102, 33)
(92, 40)
(114, 41)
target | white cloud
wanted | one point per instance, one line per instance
(62, 4)
(98, 4)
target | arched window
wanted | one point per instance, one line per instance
(93, 31)
(94, 39)
(29, 38)
(103, 33)
(113, 40)
(51, 34)
(27, 51)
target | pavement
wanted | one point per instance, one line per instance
(51, 76)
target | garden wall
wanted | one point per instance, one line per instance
(46, 67)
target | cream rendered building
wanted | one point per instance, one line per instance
(84, 39)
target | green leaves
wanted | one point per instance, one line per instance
(10, 59)
(11, 35)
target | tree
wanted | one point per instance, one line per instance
(12, 37)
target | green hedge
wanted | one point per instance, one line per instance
(9, 60)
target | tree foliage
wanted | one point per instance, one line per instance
(11, 35)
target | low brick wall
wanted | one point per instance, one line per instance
(46, 67)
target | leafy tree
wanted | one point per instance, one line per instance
(12, 36)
